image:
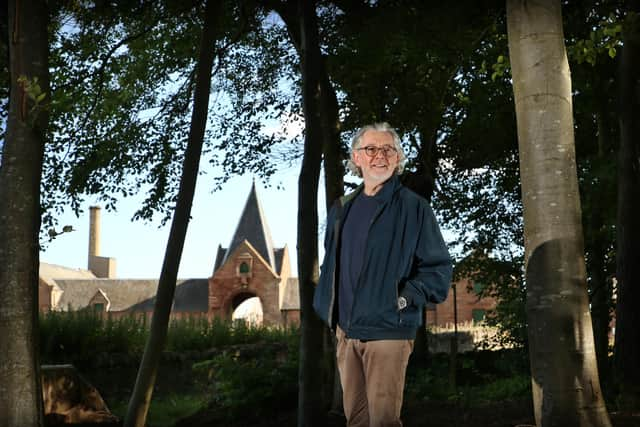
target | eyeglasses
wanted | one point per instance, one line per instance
(372, 150)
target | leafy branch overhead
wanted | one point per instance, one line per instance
(32, 99)
(123, 79)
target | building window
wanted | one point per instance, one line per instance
(98, 306)
(244, 268)
(478, 315)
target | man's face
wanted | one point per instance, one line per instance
(380, 167)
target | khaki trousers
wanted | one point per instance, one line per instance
(372, 374)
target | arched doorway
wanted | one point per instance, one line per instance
(246, 307)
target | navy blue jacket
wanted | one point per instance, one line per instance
(405, 256)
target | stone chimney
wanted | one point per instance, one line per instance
(94, 232)
(103, 267)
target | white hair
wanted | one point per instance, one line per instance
(380, 127)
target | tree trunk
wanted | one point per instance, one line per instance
(328, 107)
(20, 171)
(310, 396)
(334, 188)
(331, 147)
(566, 388)
(141, 396)
(598, 244)
(327, 128)
(627, 342)
(600, 292)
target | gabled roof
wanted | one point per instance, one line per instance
(131, 294)
(279, 253)
(253, 227)
(220, 256)
(247, 248)
(191, 295)
(49, 272)
(104, 296)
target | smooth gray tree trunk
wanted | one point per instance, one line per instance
(145, 381)
(566, 387)
(20, 171)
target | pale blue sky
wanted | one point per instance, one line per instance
(139, 247)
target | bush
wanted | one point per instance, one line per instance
(481, 377)
(78, 336)
(253, 381)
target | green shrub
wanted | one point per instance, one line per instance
(77, 336)
(504, 388)
(193, 333)
(258, 382)
(481, 376)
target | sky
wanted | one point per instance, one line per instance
(139, 247)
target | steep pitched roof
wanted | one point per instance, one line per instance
(253, 227)
(220, 256)
(279, 253)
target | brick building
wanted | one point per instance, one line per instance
(469, 306)
(250, 266)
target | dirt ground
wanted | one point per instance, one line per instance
(516, 413)
(415, 414)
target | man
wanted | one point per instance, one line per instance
(384, 260)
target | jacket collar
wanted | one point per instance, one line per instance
(384, 195)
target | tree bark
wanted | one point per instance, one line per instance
(566, 387)
(627, 340)
(331, 147)
(334, 188)
(328, 107)
(20, 171)
(329, 127)
(141, 396)
(598, 244)
(600, 293)
(310, 396)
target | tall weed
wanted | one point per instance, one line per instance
(73, 336)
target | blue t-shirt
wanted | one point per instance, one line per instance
(352, 247)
